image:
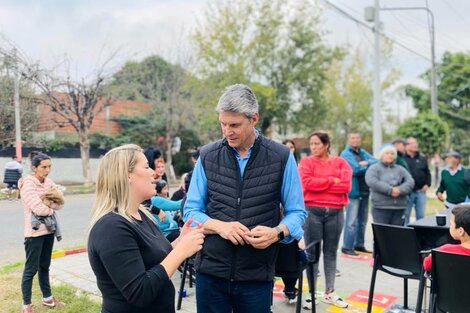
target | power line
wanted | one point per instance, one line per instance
(463, 18)
(363, 24)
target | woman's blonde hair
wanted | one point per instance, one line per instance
(113, 193)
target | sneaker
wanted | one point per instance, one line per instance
(307, 303)
(334, 299)
(363, 250)
(27, 309)
(52, 302)
(349, 252)
(291, 296)
(338, 273)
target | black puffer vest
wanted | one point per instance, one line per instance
(253, 200)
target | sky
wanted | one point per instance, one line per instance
(88, 32)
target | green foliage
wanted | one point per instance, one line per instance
(28, 114)
(273, 46)
(453, 97)
(430, 131)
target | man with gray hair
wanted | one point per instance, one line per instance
(238, 185)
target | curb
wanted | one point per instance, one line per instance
(61, 253)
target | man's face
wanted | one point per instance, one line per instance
(354, 140)
(452, 161)
(238, 129)
(400, 146)
(412, 145)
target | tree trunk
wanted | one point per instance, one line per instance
(85, 155)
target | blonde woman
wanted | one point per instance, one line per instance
(132, 260)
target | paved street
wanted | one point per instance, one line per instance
(74, 218)
(75, 269)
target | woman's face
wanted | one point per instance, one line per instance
(141, 180)
(388, 157)
(42, 170)
(317, 147)
(291, 146)
(159, 169)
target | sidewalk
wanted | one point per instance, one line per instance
(352, 285)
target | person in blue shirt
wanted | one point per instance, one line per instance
(237, 187)
(357, 210)
(165, 211)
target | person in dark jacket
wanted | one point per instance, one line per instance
(400, 145)
(236, 189)
(390, 185)
(357, 209)
(419, 170)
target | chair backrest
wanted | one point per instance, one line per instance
(450, 280)
(397, 247)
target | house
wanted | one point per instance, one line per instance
(51, 125)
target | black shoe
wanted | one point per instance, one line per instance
(362, 249)
(349, 252)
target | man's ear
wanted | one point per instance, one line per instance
(255, 118)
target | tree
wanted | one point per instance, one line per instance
(273, 46)
(72, 102)
(430, 131)
(28, 116)
(453, 73)
(348, 93)
(161, 83)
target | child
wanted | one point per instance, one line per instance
(167, 211)
(459, 230)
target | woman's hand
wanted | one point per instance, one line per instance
(191, 239)
(162, 215)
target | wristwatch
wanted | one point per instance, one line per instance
(280, 233)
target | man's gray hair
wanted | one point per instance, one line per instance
(238, 98)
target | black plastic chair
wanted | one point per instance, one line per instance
(303, 265)
(397, 253)
(450, 278)
(188, 269)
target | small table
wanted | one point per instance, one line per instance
(431, 235)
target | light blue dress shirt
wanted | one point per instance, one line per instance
(291, 196)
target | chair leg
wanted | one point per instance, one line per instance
(183, 279)
(298, 306)
(371, 290)
(419, 303)
(310, 274)
(405, 293)
(191, 274)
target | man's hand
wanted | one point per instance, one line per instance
(261, 237)
(363, 163)
(233, 231)
(425, 188)
(395, 192)
(440, 196)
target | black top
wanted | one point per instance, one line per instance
(419, 170)
(363, 188)
(125, 258)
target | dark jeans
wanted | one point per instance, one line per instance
(218, 295)
(389, 216)
(326, 225)
(357, 212)
(38, 259)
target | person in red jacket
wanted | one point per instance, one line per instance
(459, 230)
(326, 181)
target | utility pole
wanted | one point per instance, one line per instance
(16, 100)
(372, 14)
(434, 105)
